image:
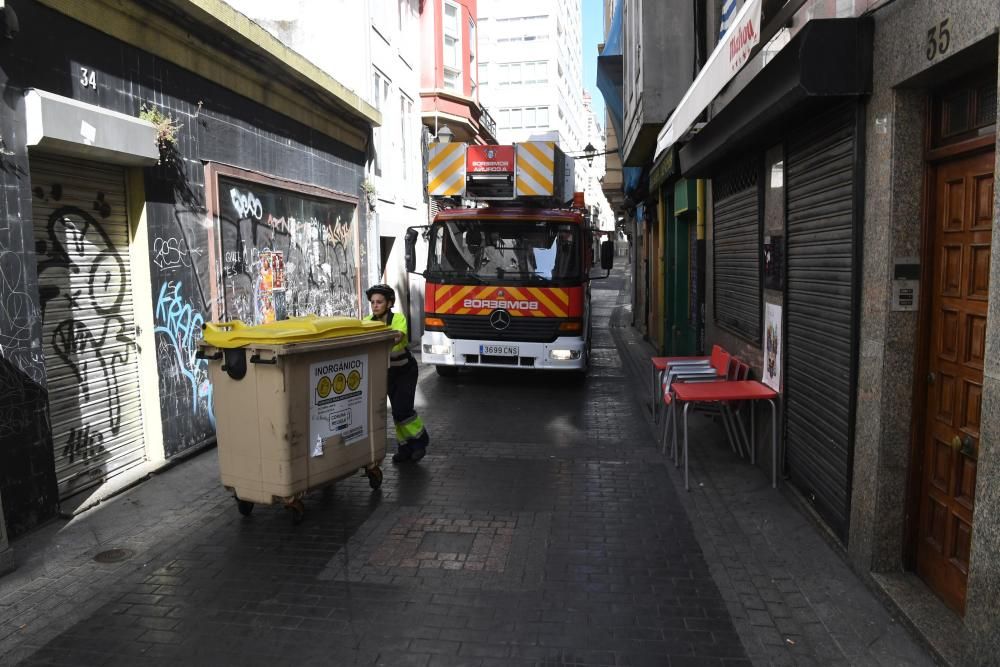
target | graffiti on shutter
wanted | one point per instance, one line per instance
(88, 324)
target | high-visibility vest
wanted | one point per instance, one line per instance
(400, 355)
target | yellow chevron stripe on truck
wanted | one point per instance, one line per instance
(446, 169)
(535, 168)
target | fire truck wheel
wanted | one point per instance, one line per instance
(447, 371)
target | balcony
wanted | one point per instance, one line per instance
(486, 122)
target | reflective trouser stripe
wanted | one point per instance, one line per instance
(410, 429)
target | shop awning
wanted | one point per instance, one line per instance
(827, 60)
(729, 56)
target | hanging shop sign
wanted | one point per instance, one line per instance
(665, 169)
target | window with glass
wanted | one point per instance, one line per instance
(405, 133)
(452, 46)
(471, 252)
(380, 99)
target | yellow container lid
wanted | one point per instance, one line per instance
(309, 328)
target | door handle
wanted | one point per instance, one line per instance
(931, 377)
(968, 448)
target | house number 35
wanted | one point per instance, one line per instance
(88, 78)
(938, 40)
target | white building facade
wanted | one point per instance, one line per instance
(383, 68)
(531, 80)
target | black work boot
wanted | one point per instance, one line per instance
(417, 453)
(403, 454)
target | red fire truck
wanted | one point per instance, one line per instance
(509, 257)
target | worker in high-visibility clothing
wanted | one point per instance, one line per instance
(411, 436)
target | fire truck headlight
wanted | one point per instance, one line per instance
(437, 349)
(564, 355)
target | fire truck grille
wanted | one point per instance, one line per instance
(527, 329)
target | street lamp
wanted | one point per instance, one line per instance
(590, 152)
(445, 134)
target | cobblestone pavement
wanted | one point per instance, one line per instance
(543, 528)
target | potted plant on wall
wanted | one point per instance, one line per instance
(370, 193)
(166, 130)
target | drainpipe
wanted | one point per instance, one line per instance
(700, 185)
(700, 238)
(662, 279)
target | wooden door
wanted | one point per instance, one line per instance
(962, 220)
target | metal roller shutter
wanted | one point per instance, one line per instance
(736, 251)
(88, 327)
(819, 309)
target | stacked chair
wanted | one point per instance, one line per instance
(719, 367)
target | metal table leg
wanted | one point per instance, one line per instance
(687, 486)
(653, 393)
(674, 444)
(774, 446)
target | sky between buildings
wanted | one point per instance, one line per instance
(593, 34)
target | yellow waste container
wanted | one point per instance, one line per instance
(299, 404)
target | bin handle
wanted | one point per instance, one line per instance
(231, 325)
(200, 354)
(255, 359)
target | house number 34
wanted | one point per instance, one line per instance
(938, 40)
(88, 78)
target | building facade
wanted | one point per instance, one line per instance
(449, 72)
(152, 186)
(650, 56)
(531, 75)
(532, 70)
(848, 153)
(924, 493)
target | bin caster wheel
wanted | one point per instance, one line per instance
(298, 511)
(374, 475)
(244, 506)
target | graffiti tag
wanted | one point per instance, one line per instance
(178, 320)
(246, 204)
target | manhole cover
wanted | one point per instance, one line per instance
(114, 555)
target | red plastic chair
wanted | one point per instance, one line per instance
(721, 365)
(660, 364)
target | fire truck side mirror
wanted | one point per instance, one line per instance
(411, 250)
(607, 255)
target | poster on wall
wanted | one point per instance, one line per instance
(339, 405)
(270, 288)
(772, 347)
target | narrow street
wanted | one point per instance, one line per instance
(543, 528)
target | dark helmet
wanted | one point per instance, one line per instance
(382, 289)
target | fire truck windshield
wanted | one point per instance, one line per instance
(505, 251)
